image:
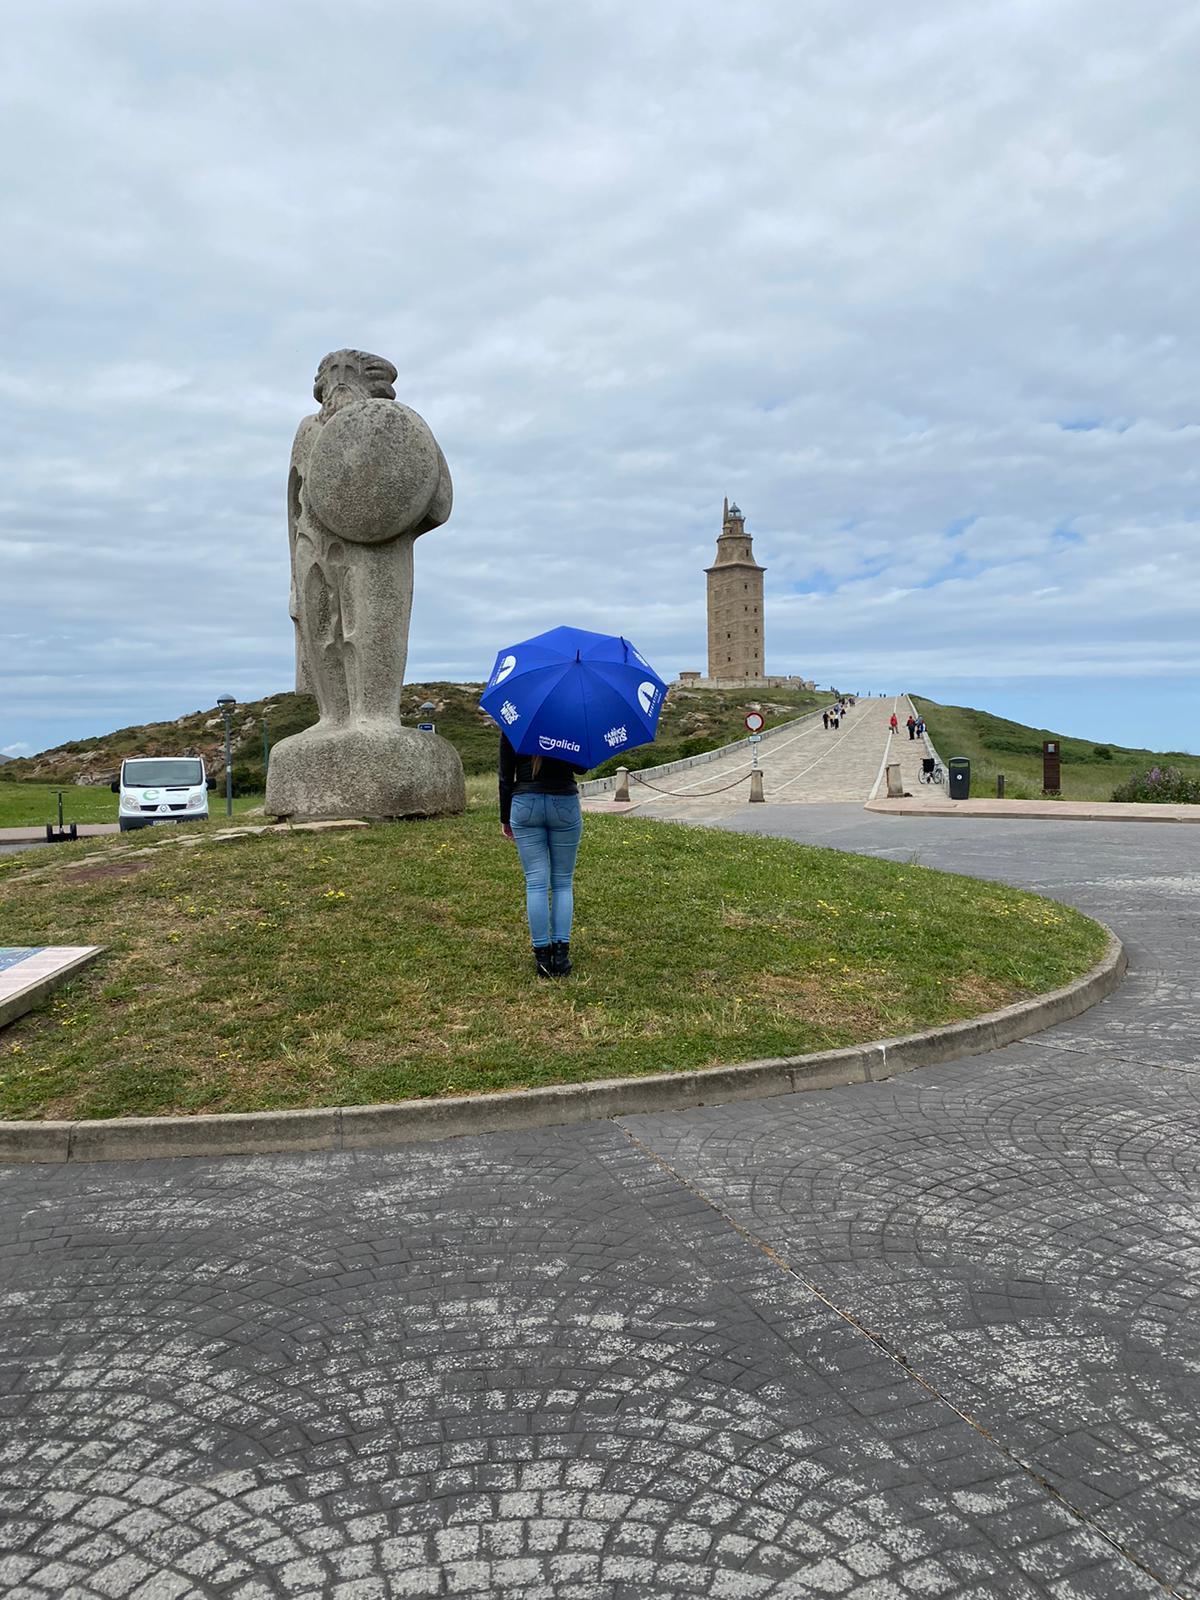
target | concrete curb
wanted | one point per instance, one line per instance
(417, 1121)
(1024, 810)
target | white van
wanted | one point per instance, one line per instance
(162, 789)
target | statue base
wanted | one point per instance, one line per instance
(375, 770)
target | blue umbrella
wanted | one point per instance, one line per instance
(580, 697)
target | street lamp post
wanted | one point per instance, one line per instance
(227, 703)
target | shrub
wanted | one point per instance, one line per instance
(1007, 744)
(247, 778)
(1164, 784)
(1102, 752)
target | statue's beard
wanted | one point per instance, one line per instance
(344, 394)
(341, 396)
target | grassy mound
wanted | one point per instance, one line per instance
(310, 970)
(1090, 771)
(341, 968)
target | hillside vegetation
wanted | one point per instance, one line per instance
(692, 720)
(1090, 771)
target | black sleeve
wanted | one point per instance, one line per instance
(508, 777)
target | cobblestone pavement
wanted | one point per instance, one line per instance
(812, 764)
(929, 1338)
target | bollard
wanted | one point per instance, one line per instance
(621, 792)
(756, 794)
(895, 784)
(999, 786)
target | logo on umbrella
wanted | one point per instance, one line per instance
(547, 743)
(503, 670)
(647, 694)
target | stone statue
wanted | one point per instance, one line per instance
(367, 479)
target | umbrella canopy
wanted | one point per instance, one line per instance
(580, 697)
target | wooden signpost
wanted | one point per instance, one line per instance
(1051, 773)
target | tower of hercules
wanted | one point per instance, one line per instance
(735, 603)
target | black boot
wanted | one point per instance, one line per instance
(560, 959)
(543, 960)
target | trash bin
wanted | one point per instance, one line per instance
(959, 770)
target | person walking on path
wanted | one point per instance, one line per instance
(541, 814)
(893, 724)
(911, 725)
(825, 720)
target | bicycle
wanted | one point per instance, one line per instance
(932, 771)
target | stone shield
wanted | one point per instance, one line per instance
(373, 472)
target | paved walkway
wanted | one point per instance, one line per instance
(934, 1337)
(812, 764)
(85, 830)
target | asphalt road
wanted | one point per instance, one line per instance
(935, 1337)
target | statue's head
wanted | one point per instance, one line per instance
(353, 375)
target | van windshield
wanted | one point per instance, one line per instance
(161, 773)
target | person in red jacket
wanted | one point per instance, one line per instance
(911, 725)
(893, 724)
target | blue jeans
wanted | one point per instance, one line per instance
(547, 828)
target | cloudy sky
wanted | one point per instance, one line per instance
(915, 284)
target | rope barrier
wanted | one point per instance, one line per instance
(677, 794)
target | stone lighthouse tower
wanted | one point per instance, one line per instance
(735, 603)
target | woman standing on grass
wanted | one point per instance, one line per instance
(540, 812)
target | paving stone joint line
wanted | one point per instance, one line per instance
(893, 1354)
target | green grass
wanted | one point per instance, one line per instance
(30, 805)
(310, 970)
(994, 744)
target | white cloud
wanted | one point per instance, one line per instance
(914, 284)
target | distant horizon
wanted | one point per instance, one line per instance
(1130, 713)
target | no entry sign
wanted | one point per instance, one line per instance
(754, 720)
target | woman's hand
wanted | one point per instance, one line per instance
(506, 830)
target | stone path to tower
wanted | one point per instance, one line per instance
(810, 765)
